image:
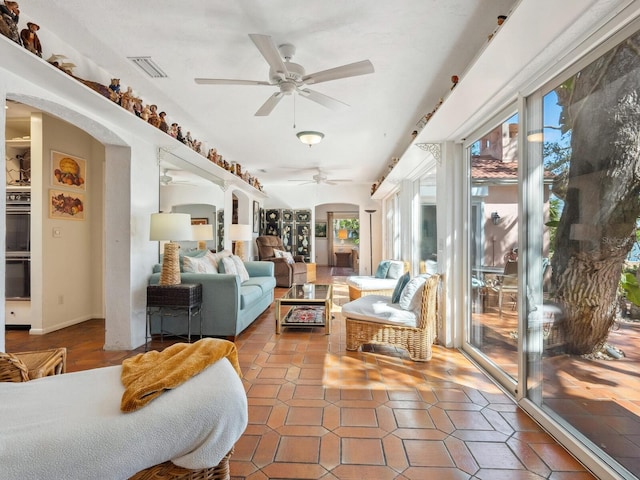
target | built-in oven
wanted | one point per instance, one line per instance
(18, 245)
(18, 277)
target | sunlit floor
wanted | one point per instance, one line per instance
(317, 411)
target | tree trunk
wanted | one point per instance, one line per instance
(596, 229)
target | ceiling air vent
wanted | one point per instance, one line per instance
(148, 66)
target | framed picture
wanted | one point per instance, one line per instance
(68, 171)
(66, 205)
(256, 217)
(199, 221)
(321, 229)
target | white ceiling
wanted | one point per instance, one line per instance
(415, 47)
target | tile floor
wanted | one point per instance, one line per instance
(317, 411)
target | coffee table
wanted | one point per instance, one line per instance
(319, 295)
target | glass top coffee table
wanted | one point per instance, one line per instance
(310, 306)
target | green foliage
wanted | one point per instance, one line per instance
(630, 287)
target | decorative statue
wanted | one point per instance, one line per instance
(179, 135)
(173, 131)
(164, 126)
(10, 13)
(30, 39)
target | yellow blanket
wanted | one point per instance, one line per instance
(147, 375)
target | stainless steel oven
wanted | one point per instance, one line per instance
(18, 245)
(18, 277)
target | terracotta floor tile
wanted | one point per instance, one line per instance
(304, 416)
(298, 450)
(358, 417)
(494, 455)
(362, 451)
(410, 418)
(426, 453)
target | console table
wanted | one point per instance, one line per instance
(173, 300)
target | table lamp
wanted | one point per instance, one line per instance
(170, 227)
(239, 233)
(202, 233)
(343, 234)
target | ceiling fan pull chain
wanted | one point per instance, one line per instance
(294, 111)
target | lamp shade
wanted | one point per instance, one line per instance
(170, 226)
(239, 231)
(202, 232)
(343, 234)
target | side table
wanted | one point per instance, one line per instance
(173, 300)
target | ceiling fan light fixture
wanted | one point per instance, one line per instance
(310, 137)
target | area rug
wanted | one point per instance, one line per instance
(302, 314)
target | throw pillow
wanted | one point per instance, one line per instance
(288, 257)
(229, 266)
(411, 295)
(197, 265)
(396, 269)
(240, 268)
(217, 257)
(383, 268)
(212, 260)
(402, 281)
(187, 253)
(278, 253)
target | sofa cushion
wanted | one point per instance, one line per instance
(383, 268)
(411, 296)
(396, 269)
(218, 256)
(378, 308)
(249, 294)
(197, 265)
(397, 291)
(266, 284)
(364, 282)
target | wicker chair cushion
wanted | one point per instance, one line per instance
(397, 291)
(371, 283)
(411, 296)
(396, 269)
(378, 308)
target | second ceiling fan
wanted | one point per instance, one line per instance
(290, 77)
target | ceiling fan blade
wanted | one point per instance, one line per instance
(269, 105)
(269, 51)
(226, 81)
(351, 70)
(323, 99)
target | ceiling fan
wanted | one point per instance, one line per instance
(290, 77)
(166, 179)
(321, 177)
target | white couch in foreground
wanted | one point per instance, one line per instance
(71, 427)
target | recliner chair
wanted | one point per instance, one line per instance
(286, 273)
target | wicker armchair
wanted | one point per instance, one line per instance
(167, 470)
(417, 340)
(25, 366)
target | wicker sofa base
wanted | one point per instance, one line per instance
(412, 339)
(168, 470)
(355, 292)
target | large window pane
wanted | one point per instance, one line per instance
(494, 245)
(588, 324)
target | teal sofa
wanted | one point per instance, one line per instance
(228, 306)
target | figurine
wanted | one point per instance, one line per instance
(30, 39)
(501, 19)
(454, 80)
(188, 140)
(145, 114)
(10, 14)
(179, 135)
(154, 119)
(114, 88)
(173, 131)
(164, 126)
